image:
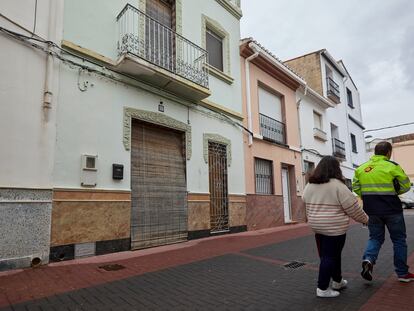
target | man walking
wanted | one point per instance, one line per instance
(379, 182)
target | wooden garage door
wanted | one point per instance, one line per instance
(158, 182)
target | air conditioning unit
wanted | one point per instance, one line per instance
(89, 170)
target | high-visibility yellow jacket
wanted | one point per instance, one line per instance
(379, 182)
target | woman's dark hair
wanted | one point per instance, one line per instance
(327, 168)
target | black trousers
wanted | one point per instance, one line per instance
(330, 250)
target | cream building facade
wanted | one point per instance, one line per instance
(142, 129)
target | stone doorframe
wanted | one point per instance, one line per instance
(158, 119)
(217, 138)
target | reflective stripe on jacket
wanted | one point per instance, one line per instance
(379, 182)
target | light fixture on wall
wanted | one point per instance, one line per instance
(161, 107)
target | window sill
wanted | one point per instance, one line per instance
(219, 74)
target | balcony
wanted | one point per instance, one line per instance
(272, 130)
(338, 148)
(333, 90)
(159, 56)
(319, 134)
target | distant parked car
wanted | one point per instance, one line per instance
(407, 199)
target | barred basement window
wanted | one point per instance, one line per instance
(264, 176)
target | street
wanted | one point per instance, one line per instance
(233, 272)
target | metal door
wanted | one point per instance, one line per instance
(158, 183)
(219, 201)
(286, 195)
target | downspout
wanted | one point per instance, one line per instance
(302, 164)
(298, 109)
(49, 76)
(248, 93)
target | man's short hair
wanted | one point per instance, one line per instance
(383, 148)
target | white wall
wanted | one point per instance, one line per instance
(222, 93)
(92, 24)
(360, 157)
(26, 155)
(338, 116)
(307, 106)
(91, 122)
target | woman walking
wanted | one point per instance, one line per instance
(329, 207)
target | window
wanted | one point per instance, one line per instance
(214, 46)
(354, 144)
(270, 116)
(317, 120)
(264, 176)
(270, 104)
(349, 96)
(308, 167)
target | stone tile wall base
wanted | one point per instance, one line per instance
(266, 211)
(25, 216)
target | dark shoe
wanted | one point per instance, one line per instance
(406, 278)
(366, 272)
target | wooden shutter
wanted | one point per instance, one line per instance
(159, 188)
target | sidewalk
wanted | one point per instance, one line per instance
(29, 284)
(231, 272)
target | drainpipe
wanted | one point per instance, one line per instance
(48, 92)
(248, 94)
(347, 128)
(302, 163)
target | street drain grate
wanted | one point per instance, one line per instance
(294, 265)
(114, 267)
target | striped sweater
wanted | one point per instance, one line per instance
(330, 206)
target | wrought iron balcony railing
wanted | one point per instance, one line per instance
(146, 38)
(333, 88)
(338, 148)
(272, 129)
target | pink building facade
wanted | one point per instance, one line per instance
(272, 151)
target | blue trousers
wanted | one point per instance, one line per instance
(396, 227)
(330, 251)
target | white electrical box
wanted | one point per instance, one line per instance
(89, 170)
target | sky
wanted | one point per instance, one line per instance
(374, 38)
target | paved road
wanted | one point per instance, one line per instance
(253, 279)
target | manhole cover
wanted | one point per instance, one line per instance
(114, 267)
(294, 265)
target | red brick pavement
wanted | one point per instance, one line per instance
(29, 284)
(393, 295)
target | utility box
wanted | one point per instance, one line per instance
(89, 170)
(117, 171)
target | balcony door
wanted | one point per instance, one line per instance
(271, 116)
(159, 34)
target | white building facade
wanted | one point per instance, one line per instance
(28, 92)
(145, 122)
(330, 113)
